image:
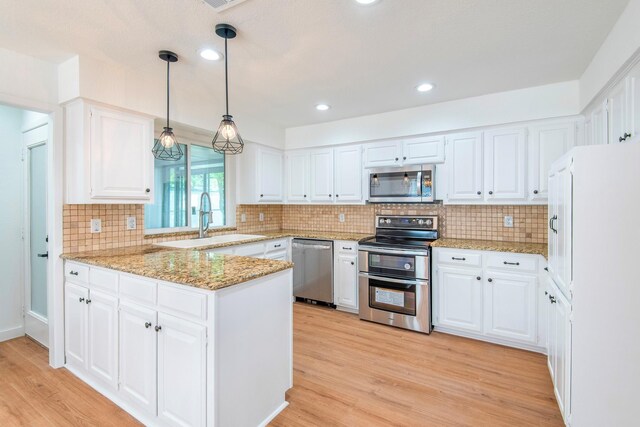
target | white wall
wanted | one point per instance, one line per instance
(11, 222)
(144, 92)
(555, 100)
(27, 78)
(621, 43)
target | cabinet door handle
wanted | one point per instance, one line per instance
(305, 195)
(478, 278)
(627, 135)
(329, 195)
(511, 263)
(490, 193)
(44, 255)
(88, 301)
(396, 159)
(552, 299)
(73, 273)
(489, 280)
(404, 158)
(158, 328)
(546, 269)
(147, 325)
(337, 195)
(546, 292)
(148, 190)
(277, 246)
(535, 191)
(346, 249)
(80, 299)
(353, 263)
(262, 195)
(479, 193)
(458, 259)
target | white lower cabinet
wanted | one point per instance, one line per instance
(491, 296)
(345, 275)
(181, 371)
(75, 324)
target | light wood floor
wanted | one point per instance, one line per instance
(346, 373)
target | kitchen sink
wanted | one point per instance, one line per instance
(208, 241)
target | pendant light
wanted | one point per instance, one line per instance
(227, 140)
(166, 147)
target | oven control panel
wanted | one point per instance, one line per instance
(407, 222)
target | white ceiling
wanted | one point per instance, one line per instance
(292, 54)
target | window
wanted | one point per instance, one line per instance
(178, 188)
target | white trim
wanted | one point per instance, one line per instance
(9, 334)
(38, 328)
(480, 337)
(274, 414)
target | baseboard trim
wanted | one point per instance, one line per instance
(9, 334)
(274, 414)
(506, 343)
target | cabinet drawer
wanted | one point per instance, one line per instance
(250, 250)
(277, 245)
(138, 289)
(182, 302)
(76, 272)
(513, 262)
(106, 280)
(461, 258)
(346, 247)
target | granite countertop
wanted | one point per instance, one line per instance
(194, 268)
(492, 245)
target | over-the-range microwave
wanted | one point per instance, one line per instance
(408, 184)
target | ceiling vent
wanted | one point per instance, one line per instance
(220, 5)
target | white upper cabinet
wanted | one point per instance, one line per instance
(634, 104)
(618, 111)
(504, 164)
(269, 171)
(298, 175)
(423, 150)
(259, 175)
(348, 174)
(560, 224)
(108, 155)
(599, 124)
(381, 154)
(321, 175)
(464, 166)
(548, 143)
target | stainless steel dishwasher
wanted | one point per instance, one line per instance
(313, 270)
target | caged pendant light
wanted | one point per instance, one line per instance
(166, 147)
(227, 140)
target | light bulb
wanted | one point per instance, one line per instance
(405, 180)
(228, 132)
(167, 139)
(375, 181)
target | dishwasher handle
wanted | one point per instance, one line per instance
(302, 245)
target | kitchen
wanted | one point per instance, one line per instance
(437, 228)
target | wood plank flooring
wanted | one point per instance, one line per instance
(346, 373)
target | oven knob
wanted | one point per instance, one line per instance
(429, 222)
(388, 221)
(420, 222)
(407, 266)
(381, 220)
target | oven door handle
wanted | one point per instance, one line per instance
(392, 280)
(386, 251)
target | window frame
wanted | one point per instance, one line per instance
(188, 138)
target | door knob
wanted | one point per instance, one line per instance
(45, 255)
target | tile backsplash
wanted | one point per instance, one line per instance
(458, 222)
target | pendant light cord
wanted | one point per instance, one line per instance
(226, 74)
(168, 62)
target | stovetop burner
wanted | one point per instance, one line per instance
(404, 243)
(406, 232)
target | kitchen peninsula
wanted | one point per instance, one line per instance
(181, 337)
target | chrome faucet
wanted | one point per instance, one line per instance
(202, 230)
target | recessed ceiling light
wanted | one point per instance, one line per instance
(424, 87)
(210, 55)
(322, 107)
(366, 1)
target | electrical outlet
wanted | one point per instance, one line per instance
(243, 217)
(131, 223)
(508, 221)
(261, 216)
(341, 217)
(96, 225)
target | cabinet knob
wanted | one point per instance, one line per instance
(147, 325)
(627, 135)
(353, 263)
(535, 191)
(148, 190)
(158, 328)
(478, 278)
(396, 159)
(337, 195)
(404, 158)
(305, 195)
(489, 280)
(329, 195)
(490, 192)
(73, 273)
(262, 195)
(546, 269)
(479, 193)
(88, 301)
(80, 299)
(552, 299)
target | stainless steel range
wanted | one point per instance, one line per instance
(395, 272)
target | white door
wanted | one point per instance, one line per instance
(599, 124)
(348, 174)
(560, 348)
(510, 306)
(385, 153)
(562, 228)
(103, 337)
(634, 104)
(121, 158)
(552, 237)
(548, 143)
(75, 324)
(37, 253)
(618, 109)
(270, 168)
(181, 371)
(423, 150)
(321, 175)
(460, 298)
(347, 281)
(464, 165)
(138, 356)
(298, 177)
(504, 167)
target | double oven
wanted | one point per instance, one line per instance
(395, 273)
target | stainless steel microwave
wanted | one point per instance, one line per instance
(409, 184)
